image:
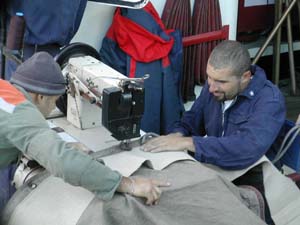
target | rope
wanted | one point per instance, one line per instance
(287, 142)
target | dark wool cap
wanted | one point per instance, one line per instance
(40, 74)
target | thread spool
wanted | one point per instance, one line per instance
(15, 32)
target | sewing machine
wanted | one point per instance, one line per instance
(97, 93)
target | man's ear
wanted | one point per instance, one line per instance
(246, 76)
(37, 98)
(40, 97)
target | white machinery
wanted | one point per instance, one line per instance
(95, 90)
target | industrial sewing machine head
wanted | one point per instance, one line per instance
(96, 90)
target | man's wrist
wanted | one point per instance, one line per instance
(126, 185)
(190, 144)
(132, 183)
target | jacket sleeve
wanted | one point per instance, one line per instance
(192, 120)
(250, 141)
(27, 130)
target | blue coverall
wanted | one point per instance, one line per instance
(250, 125)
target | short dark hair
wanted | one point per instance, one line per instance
(232, 55)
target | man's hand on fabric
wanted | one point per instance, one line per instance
(143, 187)
(171, 142)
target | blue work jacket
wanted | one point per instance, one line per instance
(244, 133)
(49, 21)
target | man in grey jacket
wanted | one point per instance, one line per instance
(24, 104)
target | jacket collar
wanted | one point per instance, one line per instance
(25, 93)
(257, 82)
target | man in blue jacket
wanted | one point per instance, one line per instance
(236, 118)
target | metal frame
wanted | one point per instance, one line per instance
(206, 37)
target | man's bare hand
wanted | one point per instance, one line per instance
(171, 142)
(143, 187)
(298, 120)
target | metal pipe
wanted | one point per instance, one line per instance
(276, 43)
(273, 32)
(205, 37)
(291, 51)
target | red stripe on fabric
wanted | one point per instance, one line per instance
(166, 61)
(132, 68)
(10, 94)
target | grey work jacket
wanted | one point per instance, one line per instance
(24, 129)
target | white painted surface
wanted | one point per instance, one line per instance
(95, 22)
(229, 12)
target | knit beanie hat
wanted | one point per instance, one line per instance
(40, 74)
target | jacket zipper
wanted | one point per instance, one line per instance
(223, 120)
(223, 114)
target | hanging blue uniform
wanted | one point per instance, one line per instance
(137, 44)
